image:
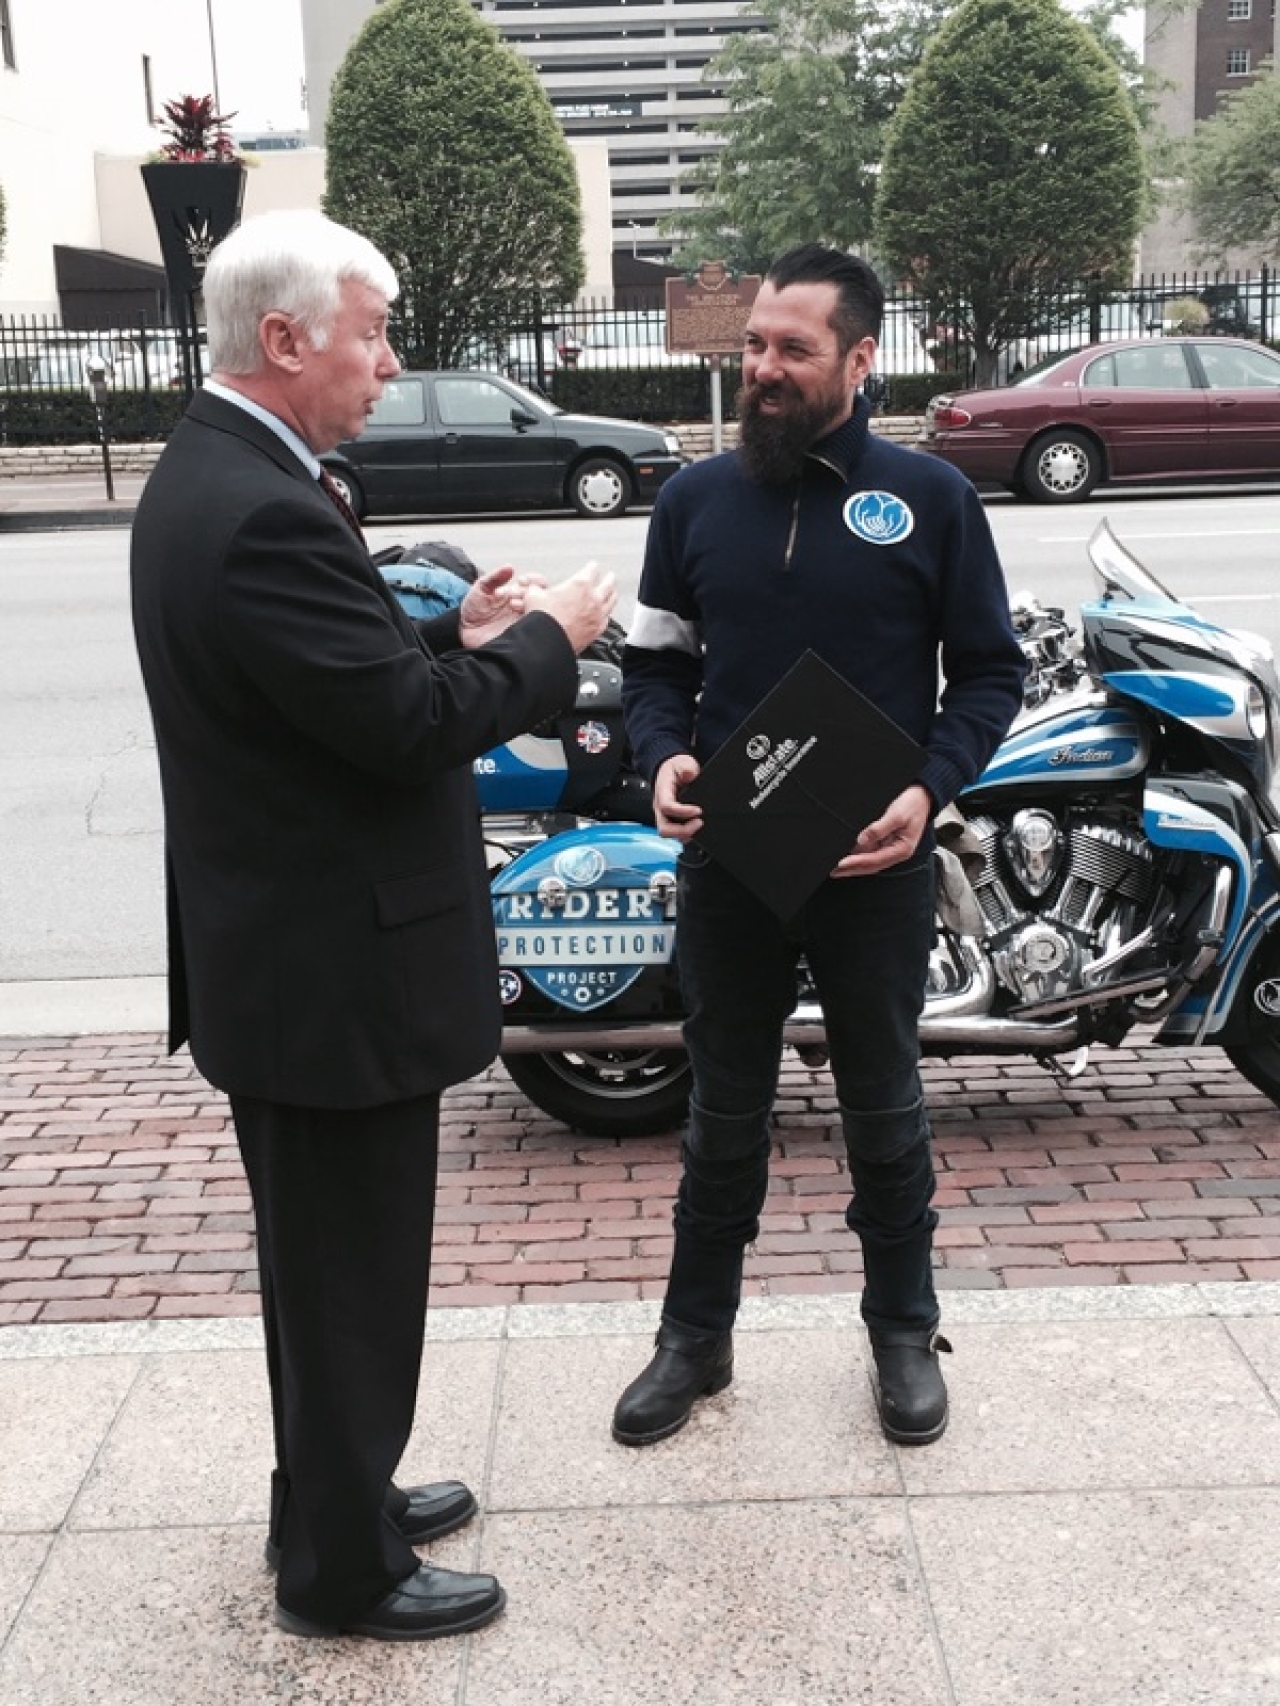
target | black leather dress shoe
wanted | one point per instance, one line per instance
(424, 1606)
(658, 1402)
(432, 1511)
(910, 1390)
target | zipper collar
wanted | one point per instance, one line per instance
(839, 452)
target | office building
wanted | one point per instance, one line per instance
(628, 73)
(1201, 53)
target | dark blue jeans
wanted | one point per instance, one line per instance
(867, 941)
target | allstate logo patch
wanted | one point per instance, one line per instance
(757, 746)
(580, 866)
(878, 517)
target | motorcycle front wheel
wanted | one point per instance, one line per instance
(1255, 1049)
(610, 1092)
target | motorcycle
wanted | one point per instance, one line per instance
(1116, 865)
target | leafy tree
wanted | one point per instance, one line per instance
(1013, 163)
(1232, 172)
(809, 97)
(443, 150)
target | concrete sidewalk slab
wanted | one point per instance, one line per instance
(1099, 1524)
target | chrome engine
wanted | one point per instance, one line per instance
(1057, 899)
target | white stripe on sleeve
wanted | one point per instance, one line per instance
(663, 631)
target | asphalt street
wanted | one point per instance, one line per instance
(80, 884)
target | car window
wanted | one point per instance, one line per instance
(472, 402)
(1159, 368)
(1238, 369)
(403, 403)
(1046, 372)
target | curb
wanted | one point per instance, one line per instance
(65, 520)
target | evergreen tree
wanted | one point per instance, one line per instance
(1013, 166)
(443, 150)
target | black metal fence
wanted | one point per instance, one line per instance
(59, 385)
(597, 357)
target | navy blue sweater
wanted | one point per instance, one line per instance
(878, 558)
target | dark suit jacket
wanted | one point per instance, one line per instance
(331, 942)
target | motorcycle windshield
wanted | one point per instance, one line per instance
(1121, 575)
(1147, 645)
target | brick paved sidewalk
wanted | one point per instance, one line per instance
(122, 1196)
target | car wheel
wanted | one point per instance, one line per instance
(1061, 467)
(350, 489)
(599, 488)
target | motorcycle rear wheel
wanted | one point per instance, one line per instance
(609, 1093)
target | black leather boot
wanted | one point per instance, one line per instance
(658, 1402)
(910, 1391)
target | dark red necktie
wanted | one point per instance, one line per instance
(329, 486)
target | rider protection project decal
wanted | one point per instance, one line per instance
(581, 947)
(878, 517)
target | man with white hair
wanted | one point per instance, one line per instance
(331, 949)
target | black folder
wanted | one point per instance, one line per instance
(787, 795)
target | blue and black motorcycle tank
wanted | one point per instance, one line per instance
(1075, 742)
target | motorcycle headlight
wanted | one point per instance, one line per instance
(672, 443)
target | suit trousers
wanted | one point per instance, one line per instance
(343, 1203)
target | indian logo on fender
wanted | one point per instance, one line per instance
(878, 517)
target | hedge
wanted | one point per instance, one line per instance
(909, 393)
(69, 417)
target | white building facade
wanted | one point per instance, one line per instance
(82, 90)
(81, 80)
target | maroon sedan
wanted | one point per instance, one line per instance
(1148, 410)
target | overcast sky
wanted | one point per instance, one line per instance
(258, 44)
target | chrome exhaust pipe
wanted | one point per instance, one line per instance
(805, 1028)
(939, 1034)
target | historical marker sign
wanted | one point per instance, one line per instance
(707, 315)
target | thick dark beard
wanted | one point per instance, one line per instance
(773, 447)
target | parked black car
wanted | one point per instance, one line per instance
(476, 441)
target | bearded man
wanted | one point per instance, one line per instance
(814, 535)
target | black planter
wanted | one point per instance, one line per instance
(195, 203)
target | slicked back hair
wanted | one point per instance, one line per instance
(860, 295)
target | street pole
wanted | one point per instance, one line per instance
(213, 58)
(717, 416)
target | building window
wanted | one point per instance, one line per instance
(1239, 9)
(1237, 62)
(6, 37)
